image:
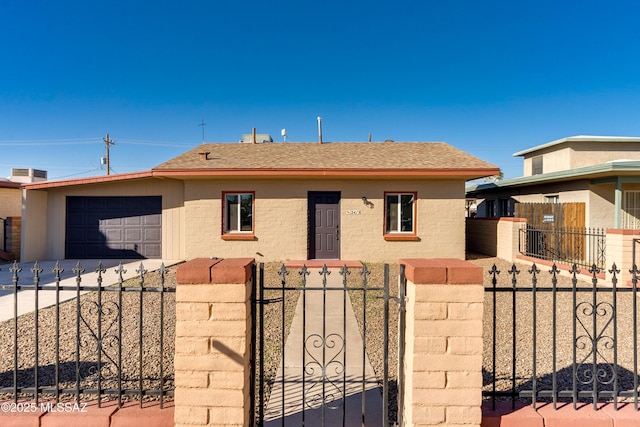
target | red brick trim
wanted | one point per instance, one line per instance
(440, 271)
(401, 238)
(623, 231)
(232, 270)
(196, 271)
(88, 414)
(584, 271)
(238, 237)
(512, 219)
(214, 271)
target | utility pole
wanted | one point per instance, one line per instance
(107, 143)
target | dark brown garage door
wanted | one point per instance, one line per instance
(114, 227)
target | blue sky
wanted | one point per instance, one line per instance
(491, 77)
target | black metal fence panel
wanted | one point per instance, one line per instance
(105, 343)
(314, 338)
(561, 341)
(567, 245)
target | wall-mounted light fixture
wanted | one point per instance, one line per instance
(367, 202)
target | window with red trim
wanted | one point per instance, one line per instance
(400, 212)
(238, 213)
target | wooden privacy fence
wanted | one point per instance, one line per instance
(566, 215)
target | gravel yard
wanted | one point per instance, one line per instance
(273, 318)
(544, 336)
(152, 354)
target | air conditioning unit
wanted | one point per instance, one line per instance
(27, 175)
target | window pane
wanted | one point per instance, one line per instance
(536, 165)
(232, 212)
(392, 213)
(246, 212)
(631, 209)
(407, 212)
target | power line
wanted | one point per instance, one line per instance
(49, 140)
(49, 143)
(153, 143)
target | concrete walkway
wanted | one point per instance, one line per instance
(333, 365)
(26, 298)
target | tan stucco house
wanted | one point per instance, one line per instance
(603, 172)
(271, 201)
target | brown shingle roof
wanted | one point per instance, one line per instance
(295, 160)
(353, 156)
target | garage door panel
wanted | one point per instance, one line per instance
(94, 236)
(111, 222)
(94, 204)
(133, 220)
(133, 235)
(113, 235)
(114, 227)
(154, 250)
(152, 220)
(152, 235)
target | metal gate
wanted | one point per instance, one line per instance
(311, 364)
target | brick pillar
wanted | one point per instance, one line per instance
(508, 237)
(443, 350)
(213, 341)
(619, 250)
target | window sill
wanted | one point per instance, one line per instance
(238, 237)
(401, 238)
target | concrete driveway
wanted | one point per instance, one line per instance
(26, 298)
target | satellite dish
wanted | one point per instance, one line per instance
(283, 132)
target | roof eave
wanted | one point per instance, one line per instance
(88, 180)
(579, 138)
(587, 172)
(463, 173)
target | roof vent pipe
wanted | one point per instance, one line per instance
(253, 135)
(319, 130)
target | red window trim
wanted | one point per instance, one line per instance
(237, 235)
(398, 236)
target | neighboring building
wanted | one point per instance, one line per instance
(271, 201)
(11, 209)
(602, 172)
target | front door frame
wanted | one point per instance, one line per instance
(311, 221)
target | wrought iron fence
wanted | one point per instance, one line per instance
(580, 246)
(555, 339)
(106, 343)
(328, 379)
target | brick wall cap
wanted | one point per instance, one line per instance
(511, 219)
(215, 271)
(196, 271)
(623, 231)
(232, 271)
(440, 271)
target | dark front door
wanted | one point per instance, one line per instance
(324, 225)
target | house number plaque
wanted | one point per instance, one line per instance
(353, 212)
